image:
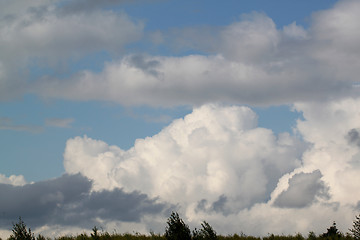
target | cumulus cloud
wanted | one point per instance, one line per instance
(216, 164)
(68, 201)
(215, 160)
(326, 126)
(13, 180)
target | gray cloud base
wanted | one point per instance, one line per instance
(353, 137)
(303, 190)
(67, 201)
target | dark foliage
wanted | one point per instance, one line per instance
(95, 234)
(176, 229)
(41, 237)
(19, 232)
(332, 233)
(355, 230)
(206, 233)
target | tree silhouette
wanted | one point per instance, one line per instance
(95, 235)
(19, 232)
(176, 228)
(355, 230)
(206, 233)
(332, 232)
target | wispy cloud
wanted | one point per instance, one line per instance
(59, 122)
(8, 124)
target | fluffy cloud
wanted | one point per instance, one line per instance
(216, 164)
(249, 61)
(67, 201)
(13, 180)
(214, 161)
(336, 34)
(44, 32)
(327, 126)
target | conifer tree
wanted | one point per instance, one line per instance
(355, 230)
(177, 229)
(19, 232)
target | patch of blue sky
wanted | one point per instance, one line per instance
(162, 15)
(38, 155)
(95, 61)
(278, 118)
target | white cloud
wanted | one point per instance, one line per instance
(335, 31)
(56, 36)
(215, 156)
(247, 62)
(295, 31)
(41, 34)
(250, 61)
(13, 180)
(217, 165)
(327, 126)
(254, 39)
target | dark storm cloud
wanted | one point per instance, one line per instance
(303, 190)
(68, 201)
(353, 137)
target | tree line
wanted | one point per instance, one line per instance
(177, 229)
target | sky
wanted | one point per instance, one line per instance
(115, 113)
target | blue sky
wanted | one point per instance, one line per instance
(24, 151)
(174, 102)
